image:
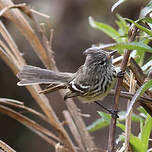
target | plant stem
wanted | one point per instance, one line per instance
(112, 130)
(128, 119)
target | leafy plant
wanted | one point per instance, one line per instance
(130, 38)
(139, 49)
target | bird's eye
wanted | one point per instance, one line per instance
(102, 62)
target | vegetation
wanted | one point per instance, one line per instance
(132, 40)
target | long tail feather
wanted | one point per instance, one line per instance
(35, 75)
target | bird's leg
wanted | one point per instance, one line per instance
(120, 74)
(114, 113)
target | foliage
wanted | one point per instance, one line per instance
(139, 49)
(10, 53)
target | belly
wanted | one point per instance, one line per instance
(89, 97)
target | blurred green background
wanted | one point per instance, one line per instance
(72, 35)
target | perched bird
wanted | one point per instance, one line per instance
(91, 82)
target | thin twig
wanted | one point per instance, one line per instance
(128, 119)
(128, 95)
(111, 142)
(39, 13)
(6, 147)
(139, 75)
(7, 101)
(28, 123)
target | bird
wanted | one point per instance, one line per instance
(91, 82)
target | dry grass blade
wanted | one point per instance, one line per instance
(11, 101)
(49, 53)
(11, 6)
(87, 140)
(21, 105)
(40, 14)
(43, 101)
(7, 51)
(24, 8)
(15, 55)
(15, 65)
(24, 27)
(5, 147)
(28, 123)
(117, 60)
(139, 74)
(128, 95)
(44, 137)
(74, 130)
(135, 68)
(129, 118)
(59, 148)
(22, 24)
(5, 57)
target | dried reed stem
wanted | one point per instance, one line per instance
(128, 119)
(5, 147)
(112, 130)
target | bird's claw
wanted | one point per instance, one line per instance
(120, 74)
(114, 113)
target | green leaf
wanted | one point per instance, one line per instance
(117, 4)
(121, 126)
(139, 93)
(149, 32)
(140, 57)
(128, 45)
(123, 27)
(110, 31)
(147, 19)
(134, 117)
(147, 65)
(142, 110)
(106, 118)
(104, 115)
(146, 10)
(145, 132)
(100, 123)
(136, 144)
(120, 138)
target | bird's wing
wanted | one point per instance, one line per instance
(80, 82)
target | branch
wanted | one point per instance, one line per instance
(129, 117)
(111, 142)
(128, 95)
(5, 147)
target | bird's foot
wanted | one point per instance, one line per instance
(120, 74)
(114, 113)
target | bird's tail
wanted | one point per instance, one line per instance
(34, 75)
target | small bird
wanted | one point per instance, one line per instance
(91, 82)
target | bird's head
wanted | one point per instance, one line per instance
(96, 55)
